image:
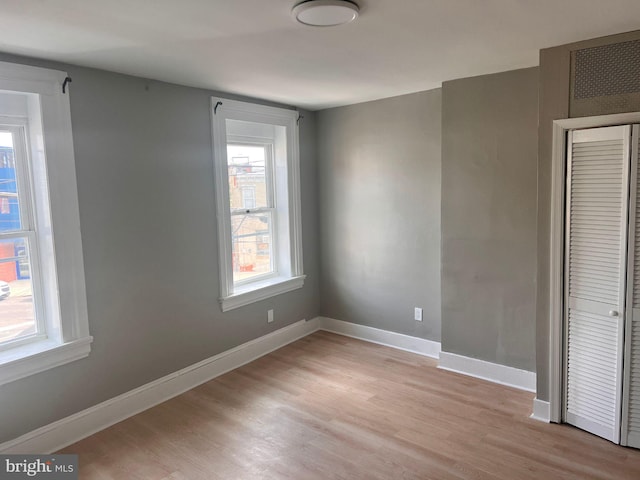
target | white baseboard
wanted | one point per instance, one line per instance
(66, 431)
(408, 343)
(541, 410)
(73, 428)
(494, 372)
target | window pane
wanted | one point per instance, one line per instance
(247, 176)
(9, 209)
(17, 312)
(252, 251)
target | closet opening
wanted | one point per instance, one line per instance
(594, 284)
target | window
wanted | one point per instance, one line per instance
(258, 201)
(248, 196)
(43, 312)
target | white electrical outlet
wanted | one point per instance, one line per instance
(270, 316)
(417, 314)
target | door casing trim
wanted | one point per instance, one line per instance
(556, 247)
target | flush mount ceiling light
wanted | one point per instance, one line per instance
(325, 13)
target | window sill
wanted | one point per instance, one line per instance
(36, 357)
(261, 291)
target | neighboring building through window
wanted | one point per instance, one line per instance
(248, 195)
(252, 217)
(43, 313)
(257, 171)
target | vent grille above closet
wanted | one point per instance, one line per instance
(607, 70)
(605, 79)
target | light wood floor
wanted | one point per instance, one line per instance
(328, 406)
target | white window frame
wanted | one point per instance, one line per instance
(287, 247)
(64, 335)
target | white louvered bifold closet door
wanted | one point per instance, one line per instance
(597, 206)
(631, 408)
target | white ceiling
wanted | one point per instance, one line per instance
(254, 48)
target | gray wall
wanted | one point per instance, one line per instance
(489, 162)
(143, 161)
(379, 166)
(145, 184)
(555, 70)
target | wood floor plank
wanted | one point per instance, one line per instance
(331, 407)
